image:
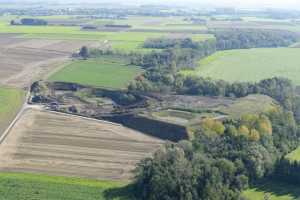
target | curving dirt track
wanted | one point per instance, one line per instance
(61, 144)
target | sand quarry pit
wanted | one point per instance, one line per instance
(25, 60)
(61, 144)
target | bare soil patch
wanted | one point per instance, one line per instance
(25, 60)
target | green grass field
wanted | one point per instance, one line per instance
(252, 104)
(164, 24)
(18, 186)
(274, 190)
(101, 72)
(251, 65)
(294, 155)
(10, 102)
(124, 41)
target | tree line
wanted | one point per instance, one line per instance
(181, 42)
(230, 39)
(245, 39)
(181, 53)
(30, 22)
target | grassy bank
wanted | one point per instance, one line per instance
(18, 186)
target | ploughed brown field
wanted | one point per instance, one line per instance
(25, 60)
(61, 144)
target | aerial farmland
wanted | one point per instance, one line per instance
(154, 102)
(92, 149)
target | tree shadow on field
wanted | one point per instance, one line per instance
(123, 193)
(278, 188)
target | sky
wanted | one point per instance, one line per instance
(286, 4)
(257, 3)
(236, 3)
(294, 4)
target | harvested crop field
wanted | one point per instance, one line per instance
(25, 60)
(60, 144)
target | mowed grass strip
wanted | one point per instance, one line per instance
(251, 65)
(100, 72)
(10, 102)
(19, 186)
(273, 190)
